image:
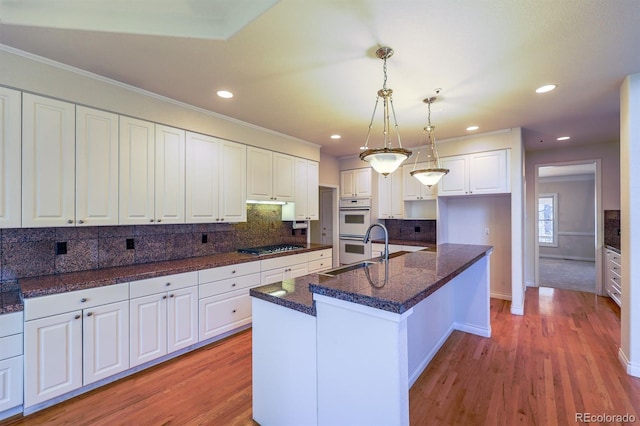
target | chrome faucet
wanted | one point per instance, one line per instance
(385, 254)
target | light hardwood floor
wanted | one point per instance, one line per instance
(542, 368)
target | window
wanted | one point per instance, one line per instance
(548, 220)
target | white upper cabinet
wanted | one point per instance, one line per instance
(216, 180)
(170, 174)
(355, 183)
(48, 162)
(306, 185)
(10, 167)
(137, 171)
(412, 189)
(96, 167)
(390, 203)
(152, 173)
(269, 175)
(478, 173)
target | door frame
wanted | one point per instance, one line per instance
(599, 215)
(335, 237)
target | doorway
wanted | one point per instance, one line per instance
(569, 226)
(325, 230)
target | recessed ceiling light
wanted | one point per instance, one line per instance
(546, 88)
(335, 136)
(564, 138)
(224, 94)
(472, 128)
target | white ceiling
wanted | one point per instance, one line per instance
(307, 68)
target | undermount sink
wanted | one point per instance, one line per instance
(347, 268)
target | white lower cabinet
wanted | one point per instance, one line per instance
(164, 316)
(225, 303)
(283, 268)
(57, 345)
(320, 260)
(613, 275)
(11, 389)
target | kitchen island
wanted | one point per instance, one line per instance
(345, 349)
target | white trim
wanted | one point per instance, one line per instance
(473, 329)
(517, 310)
(559, 256)
(147, 93)
(631, 368)
(577, 233)
(554, 197)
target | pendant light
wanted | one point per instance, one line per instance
(433, 172)
(385, 160)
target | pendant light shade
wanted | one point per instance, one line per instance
(386, 159)
(433, 172)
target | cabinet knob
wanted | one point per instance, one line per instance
(233, 272)
(89, 314)
(233, 285)
(222, 219)
(151, 220)
(164, 297)
(234, 311)
(81, 221)
(159, 220)
(77, 317)
(83, 300)
(167, 284)
(171, 295)
(69, 221)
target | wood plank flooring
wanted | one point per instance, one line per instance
(542, 368)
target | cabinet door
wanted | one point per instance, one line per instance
(169, 175)
(456, 182)
(182, 318)
(297, 270)
(202, 186)
(48, 162)
(96, 167)
(232, 180)
(11, 389)
(52, 357)
(313, 190)
(411, 186)
(390, 201)
(283, 177)
(362, 179)
(219, 314)
(301, 181)
(347, 184)
(273, 276)
(148, 328)
(488, 172)
(105, 341)
(259, 174)
(137, 158)
(10, 167)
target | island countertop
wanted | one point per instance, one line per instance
(410, 278)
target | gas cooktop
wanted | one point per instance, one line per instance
(276, 248)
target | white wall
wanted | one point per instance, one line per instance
(609, 155)
(329, 170)
(30, 73)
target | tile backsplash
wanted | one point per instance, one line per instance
(413, 230)
(28, 252)
(612, 228)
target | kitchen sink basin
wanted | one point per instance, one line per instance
(347, 268)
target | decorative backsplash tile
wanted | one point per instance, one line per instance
(32, 251)
(413, 230)
(612, 228)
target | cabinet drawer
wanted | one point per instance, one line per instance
(161, 284)
(219, 314)
(320, 264)
(45, 306)
(224, 286)
(10, 346)
(320, 254)
(230, 271)
(284, 261)
(11, 324)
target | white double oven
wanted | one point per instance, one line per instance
(355, 218)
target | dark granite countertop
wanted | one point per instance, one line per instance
(411, 278)
(11, 301)
(406, 242)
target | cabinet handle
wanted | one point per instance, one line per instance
(233, 272)
(222, 220)
(171, 295)
(89, 314)
(69, 221)
(83, 300)
(233, 285)
(233, 312)
(168, 284)
(164, 297)
(151, 220)
(81, 221)
(77, 317)
(159, 220)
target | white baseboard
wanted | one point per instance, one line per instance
(632, 369)
(517, 310)
(473, 329)
(499, 295)
(530, 284)
(559, 256)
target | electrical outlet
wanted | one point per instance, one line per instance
(130, 244)
(416, 229)
(61, 247)
(205, 238)
(486, 231)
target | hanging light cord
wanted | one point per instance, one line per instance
(428, 129)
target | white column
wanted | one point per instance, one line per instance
(629, 353)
